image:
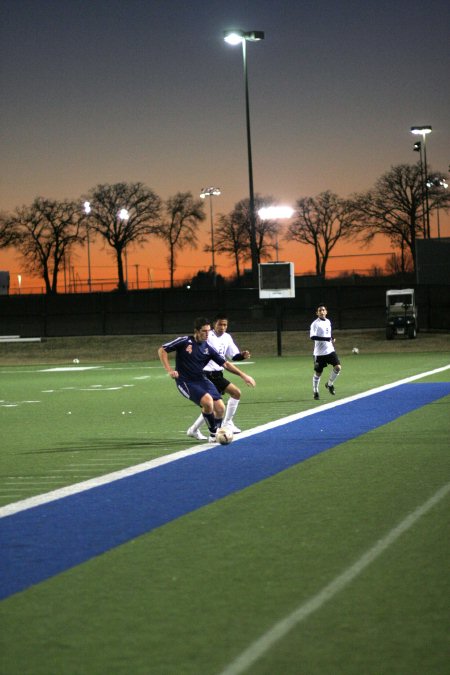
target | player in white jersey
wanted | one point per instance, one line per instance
(224, 344)
(324, 352)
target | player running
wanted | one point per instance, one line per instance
(324, 352)
(224, 344)
(193, 353)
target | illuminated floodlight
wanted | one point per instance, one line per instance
(275, 212)
(233, 37)
(87, 208)
(237, 36)
(421, 131)
(123, 214)
(209, 192)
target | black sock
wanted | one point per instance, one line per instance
(211, 422)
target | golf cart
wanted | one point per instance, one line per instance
(401, 314)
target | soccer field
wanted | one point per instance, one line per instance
(318, 545)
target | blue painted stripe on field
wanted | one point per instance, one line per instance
(46, 540)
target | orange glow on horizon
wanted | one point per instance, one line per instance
(148, 267)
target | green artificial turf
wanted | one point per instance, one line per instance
(65, 426)
(189, 597)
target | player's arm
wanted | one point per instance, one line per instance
(234, 369)
(241, 356)
(233, 352)
(164, 358)
(315, 337)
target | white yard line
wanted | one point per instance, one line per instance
(38, 500)
(279, 630)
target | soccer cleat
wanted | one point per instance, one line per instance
(330, 388)
(196, 433)
(212, 438)
(231, 425)
(316, 396)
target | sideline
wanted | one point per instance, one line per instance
(76, 488)
(262, 645)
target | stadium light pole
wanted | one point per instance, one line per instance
(423, 131)
(211, 192)
(87, 210)
(235, 37)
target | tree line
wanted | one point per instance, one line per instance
(45, 233)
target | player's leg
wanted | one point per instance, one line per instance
(213, 408)
(232, 405)
(216, 377)
(194, 430)
(207, 405)
(318, 370)
(333, 361)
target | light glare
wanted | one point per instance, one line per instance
(275, 212)
(421, 131)
(234, 38)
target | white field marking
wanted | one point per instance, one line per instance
(3, 404)
(279, 630)
(63, 369)
(102, 389)
(38, 500)
(28, 484)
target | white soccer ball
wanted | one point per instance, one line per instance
(76, 360)
(224, 435)
(355, 350)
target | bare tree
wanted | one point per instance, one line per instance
(123, 213)
(179, 229)
(233, 233)
(7, 232)
(400, 263)
(44, 234)
(231, 238)
(321, 222)
(394, 208)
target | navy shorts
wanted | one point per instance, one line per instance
(321, 362)
(195, 391)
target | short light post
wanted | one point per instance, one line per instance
(423, 131)
(235, 37)
(87, 210)
(124, 216)
(211, 192)
(437, 183)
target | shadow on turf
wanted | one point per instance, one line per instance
(107, 445)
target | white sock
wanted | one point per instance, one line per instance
(231, 409)
(316, 380)
(333, 376)
(198, 423)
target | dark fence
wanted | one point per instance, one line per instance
(172, 311)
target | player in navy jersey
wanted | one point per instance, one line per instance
(192, 354)
(324, 352)
(222, 342)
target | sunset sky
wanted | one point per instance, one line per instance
(102, 91)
